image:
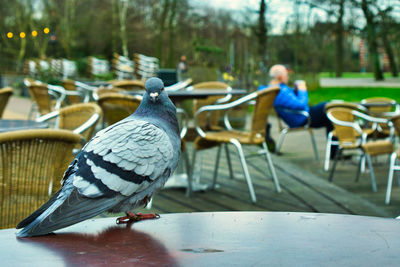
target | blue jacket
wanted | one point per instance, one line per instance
(288, 99)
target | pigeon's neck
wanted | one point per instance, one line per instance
(159, 112)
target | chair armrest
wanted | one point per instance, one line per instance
(369, 118)
(87, 124)
(184, 122)
(48, 116)
(179, 85)
(353, 125)
(226, 106)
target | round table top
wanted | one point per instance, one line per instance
(16, 125)
(213, 239)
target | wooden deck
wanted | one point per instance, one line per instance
(304, 183)
(301, 191)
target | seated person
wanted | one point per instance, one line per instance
(296, 99)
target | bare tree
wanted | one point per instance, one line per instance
(261, 33)
(367, 7)
(385, 29)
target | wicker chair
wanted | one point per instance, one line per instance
(44, 101)
(5, 94)
(70, 86)
(332, 135)
(79, 118)
(256, 136)
(378, 107)
(351, 137)
(84, 90)
(209, 121)
(31, 166)
(47, 97)
(117, 106)
(129, 84)
(394, 161)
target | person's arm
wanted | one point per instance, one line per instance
(288, 99)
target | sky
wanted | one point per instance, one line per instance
(277, 14)
(278, 11)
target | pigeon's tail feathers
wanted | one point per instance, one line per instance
(67, 211)
(38, 212)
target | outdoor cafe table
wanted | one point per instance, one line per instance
(16, 125)
(214, 239)
(181, 95)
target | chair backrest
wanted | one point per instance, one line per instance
(98, 66)
(210, 120)
(123, 67)
(145, 66)
(262, 109)
(379, 109)
(69, 85)
(39, 94)
(129, 84)
(396, 123)
(347, 135)
(74, 116)
(32, 163)
(117, 106)
(344, 104)
(5, 94)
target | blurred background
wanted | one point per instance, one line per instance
(235, 41)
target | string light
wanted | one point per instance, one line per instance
(23, 35)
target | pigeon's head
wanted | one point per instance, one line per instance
(154, 87)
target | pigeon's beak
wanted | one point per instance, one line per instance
(154, 96)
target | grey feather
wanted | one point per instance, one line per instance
(118, 169)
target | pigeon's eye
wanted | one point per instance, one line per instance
(162, 89)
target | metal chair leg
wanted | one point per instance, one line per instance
(359, 168)
(337, 155)
(188, 171)
(280, 140)
(393, 157)
(314, 144)
(228, 159)
(328, 151)
(371, 170)
(216, 167)
(198, 174)
(271, 168)
(238, 146)
(194, 155)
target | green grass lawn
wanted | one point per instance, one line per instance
(352, 75)
(353, 94)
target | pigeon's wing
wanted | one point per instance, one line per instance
(124, 159)
(117, 163)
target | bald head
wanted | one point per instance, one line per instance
(279, 74)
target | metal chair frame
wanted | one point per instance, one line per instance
(286, 129)
(235, 142)
(359, 141)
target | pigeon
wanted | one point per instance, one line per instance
(119, 169)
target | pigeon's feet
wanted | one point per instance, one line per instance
(132, 217)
